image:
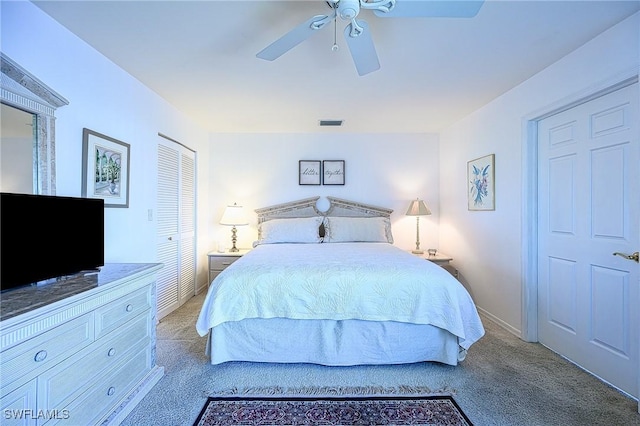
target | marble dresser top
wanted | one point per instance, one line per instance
(24, 299)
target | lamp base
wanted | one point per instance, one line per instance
(417, 249)
(234, 238)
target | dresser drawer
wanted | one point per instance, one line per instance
(118, 312)
(212, 275)
(220, 263)
(17, 404)
(46, 349)
(61, 385)
(108, 390)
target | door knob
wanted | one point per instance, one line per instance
(635, 256)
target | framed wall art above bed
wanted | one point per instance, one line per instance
(333, 172)
(309, 172)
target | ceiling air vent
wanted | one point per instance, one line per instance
(334, 123)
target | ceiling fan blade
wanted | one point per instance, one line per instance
(363, 51)
(432, 9)
(294, 37)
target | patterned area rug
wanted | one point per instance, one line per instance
(410, 410)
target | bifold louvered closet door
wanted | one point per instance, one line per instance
(176, 225)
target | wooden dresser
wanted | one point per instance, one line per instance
(79, 351)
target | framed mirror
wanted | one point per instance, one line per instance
(18, 149)
(25, 98)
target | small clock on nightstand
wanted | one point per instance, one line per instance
(438, 258)
(442, 260)
(218, 261)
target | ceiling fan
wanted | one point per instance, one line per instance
(357, 34)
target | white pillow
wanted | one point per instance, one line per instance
(358, 229)
(294, 230)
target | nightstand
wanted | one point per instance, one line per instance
(442, 260)
(218, 262)
(438, 258)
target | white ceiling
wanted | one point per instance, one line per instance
(200, 57)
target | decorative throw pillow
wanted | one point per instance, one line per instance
(358, 229)
(294, 230)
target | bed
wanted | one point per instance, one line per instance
(329, 287)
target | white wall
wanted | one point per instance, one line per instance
(487, 245)
(104, 98)
(387, 170)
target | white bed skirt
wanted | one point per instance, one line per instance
(329, 342)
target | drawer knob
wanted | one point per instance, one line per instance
(129, 308)
(40, 356)
(111, 352)
(111, 391)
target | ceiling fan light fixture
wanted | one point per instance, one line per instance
(348, 14)
(348, 9)
(330, 123)
(357, 34)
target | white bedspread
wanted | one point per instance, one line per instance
(339, 281)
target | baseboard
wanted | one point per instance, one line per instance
(500, 323)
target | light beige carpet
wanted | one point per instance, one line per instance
(503, 381)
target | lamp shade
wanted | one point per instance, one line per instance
(234, 216)
(418, 208)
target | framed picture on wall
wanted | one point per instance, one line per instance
(105, 169)
(333, 172)
(309, 172)
(480, 183)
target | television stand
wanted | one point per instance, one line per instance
(81, 350)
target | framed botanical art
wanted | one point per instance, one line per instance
(105, 169)
(480, 182)
(333, 172)
(309, 172)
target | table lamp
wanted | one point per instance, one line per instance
(418, 208)
(234, 216)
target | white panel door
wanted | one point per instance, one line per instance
(588, 201)
(176, 226)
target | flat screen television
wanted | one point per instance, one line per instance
(44, 237)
